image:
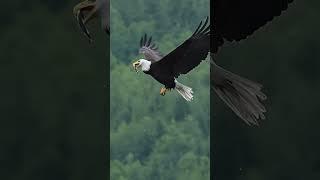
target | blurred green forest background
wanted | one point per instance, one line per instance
(53, 122)
(152, 136)
(283, 56)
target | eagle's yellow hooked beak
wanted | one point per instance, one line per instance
(136, 65)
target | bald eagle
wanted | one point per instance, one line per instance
(235, 20)
(92, 9)
(165, 69)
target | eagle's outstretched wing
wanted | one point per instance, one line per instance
(188, 55)
(149, 49)
(234, 20)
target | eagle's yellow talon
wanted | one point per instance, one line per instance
(163, 91)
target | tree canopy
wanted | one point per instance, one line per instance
(155, 137)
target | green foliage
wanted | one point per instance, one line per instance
(53, 123)
(155, 137)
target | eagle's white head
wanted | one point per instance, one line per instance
(143, 64)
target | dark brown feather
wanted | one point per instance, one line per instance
(188, 55)
(149, 49)
(234, 20)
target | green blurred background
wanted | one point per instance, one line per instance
(156, 137)
(53, 121)
(283, 56)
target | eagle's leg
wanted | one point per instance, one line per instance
(163, 91)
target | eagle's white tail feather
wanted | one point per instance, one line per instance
(185, 91)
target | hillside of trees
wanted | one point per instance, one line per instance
(153, 136)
